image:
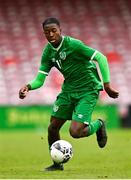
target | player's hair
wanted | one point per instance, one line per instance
(51, 20)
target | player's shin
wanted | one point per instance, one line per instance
(93, 127)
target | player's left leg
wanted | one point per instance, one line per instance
(101, 135)
(78, 130)
(81, 125)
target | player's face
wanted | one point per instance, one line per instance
(53, 34)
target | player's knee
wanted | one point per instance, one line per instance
(74, 133)
(52, 129)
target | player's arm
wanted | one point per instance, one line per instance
(104, 69)
(38, 81)
(92, 54)
(34, 84)
(40, 77)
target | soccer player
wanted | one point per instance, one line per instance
(80, 89)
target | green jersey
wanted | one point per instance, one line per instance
(74, 60)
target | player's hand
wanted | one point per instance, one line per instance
(23, 92)
(111, 92)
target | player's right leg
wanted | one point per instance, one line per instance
(62, 110)
(53, 135)
(53, 129)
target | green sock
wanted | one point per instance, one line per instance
(94, 126)
(49, 147)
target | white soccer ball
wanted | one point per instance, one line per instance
(61, 151)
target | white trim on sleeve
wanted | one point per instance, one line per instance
(92, 57)
(43, 72)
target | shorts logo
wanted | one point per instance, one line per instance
(55, 108)
(80, 116)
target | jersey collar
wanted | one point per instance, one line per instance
(57, 49)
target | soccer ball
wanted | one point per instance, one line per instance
(61, 151)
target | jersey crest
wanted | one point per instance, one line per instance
(62, 55)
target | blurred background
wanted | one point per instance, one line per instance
(102, 24)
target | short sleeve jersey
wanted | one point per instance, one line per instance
(73, 59)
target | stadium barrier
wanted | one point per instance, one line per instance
(38, 116)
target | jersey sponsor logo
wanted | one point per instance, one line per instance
(55, 108)
(62, 55)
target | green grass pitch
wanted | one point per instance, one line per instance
(23, 154)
